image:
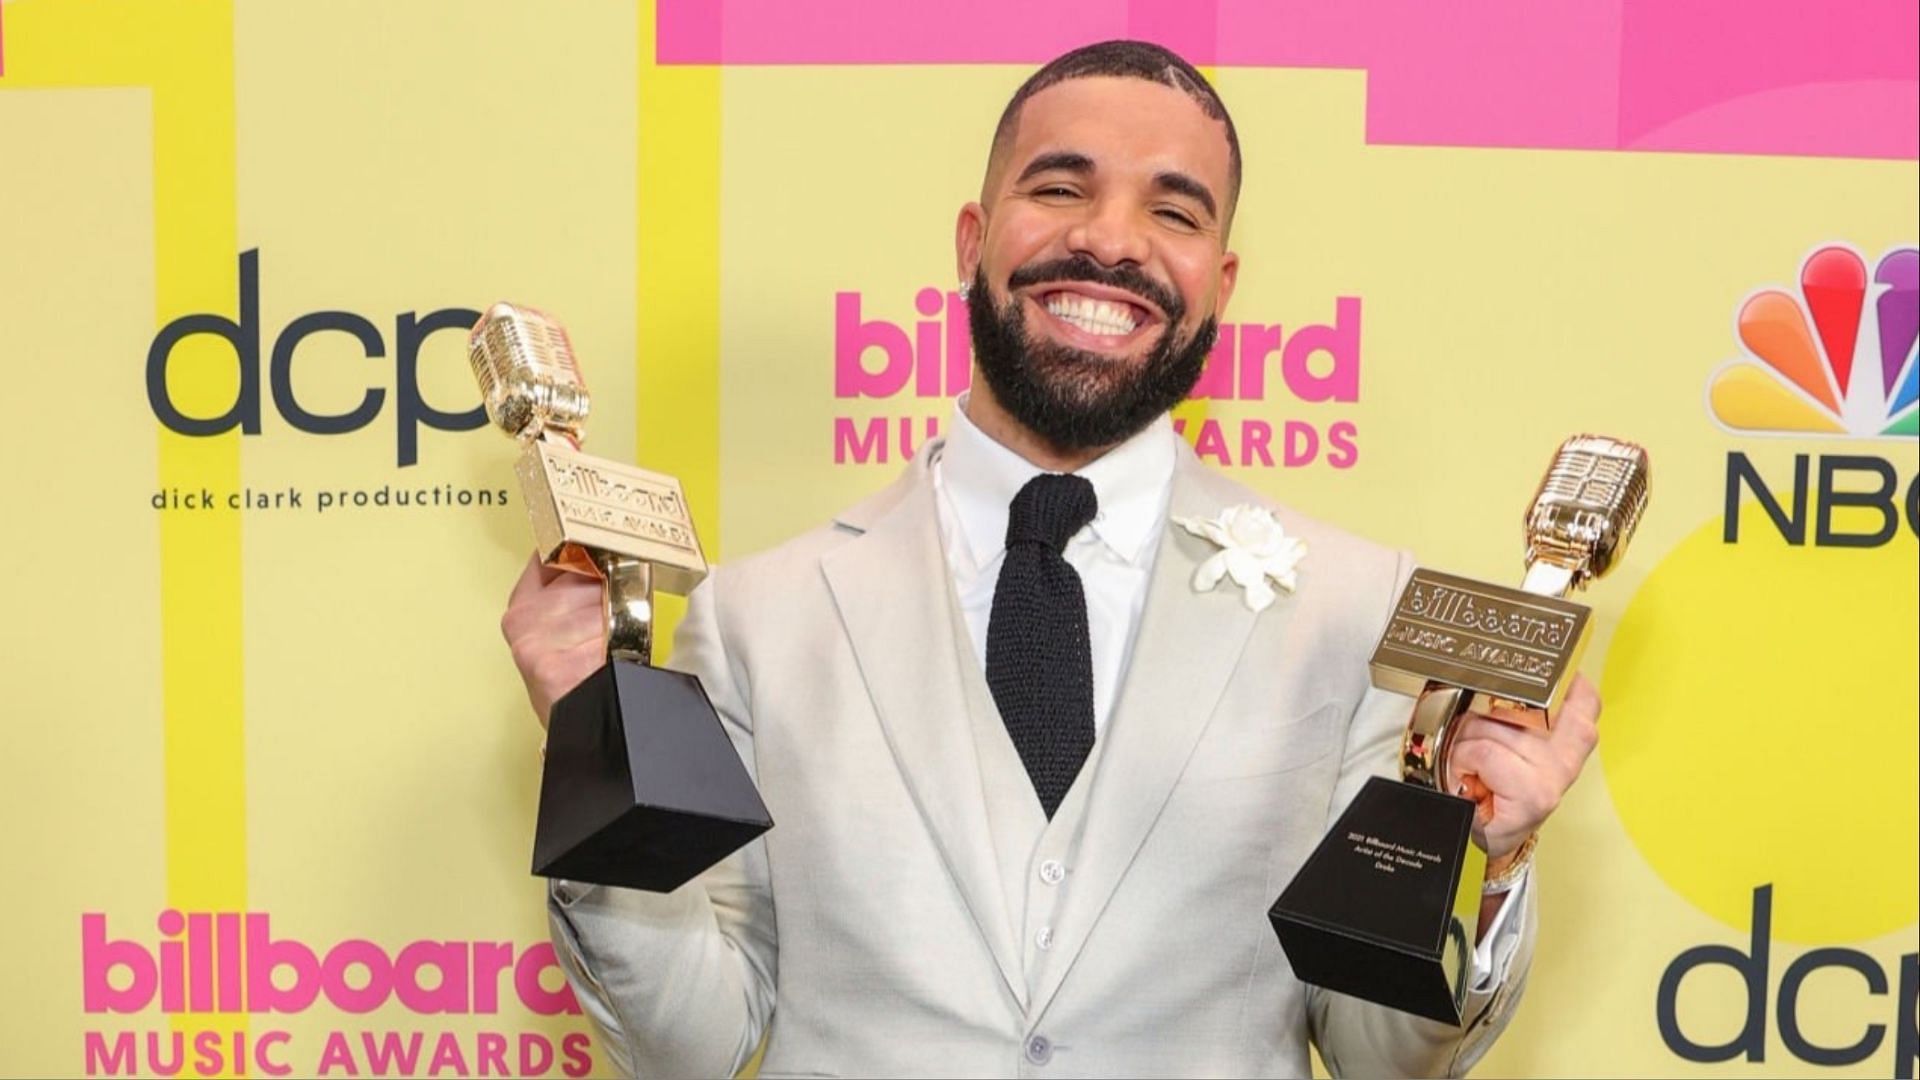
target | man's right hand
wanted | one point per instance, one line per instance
(555, 626)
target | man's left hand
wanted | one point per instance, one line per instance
(1516, 775)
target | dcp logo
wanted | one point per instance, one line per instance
(410, 331)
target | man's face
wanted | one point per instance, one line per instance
(1098, 257)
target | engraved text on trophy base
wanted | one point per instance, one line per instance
(1389, 857)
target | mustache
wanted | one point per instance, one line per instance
(1081, 268)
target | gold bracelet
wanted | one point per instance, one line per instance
(1506, 879)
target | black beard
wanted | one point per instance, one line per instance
(1072, 399)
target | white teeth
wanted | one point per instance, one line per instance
(1094, 316)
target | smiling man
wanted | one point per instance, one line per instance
(1104, 214)
(1035, 787)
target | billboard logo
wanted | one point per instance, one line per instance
(1838, 359)
(213, 966)
(922, 366)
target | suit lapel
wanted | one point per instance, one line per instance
(1188, 647)
(894, 593)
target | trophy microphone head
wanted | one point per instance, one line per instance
(526, 370)
(1587, 507)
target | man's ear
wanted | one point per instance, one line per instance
(969, 231)
(1229, 274)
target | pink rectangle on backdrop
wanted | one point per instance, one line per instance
(880, 31)
(1721, 76)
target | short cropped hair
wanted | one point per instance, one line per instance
(1127, 60)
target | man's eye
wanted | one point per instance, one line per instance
(1055, 191)
(1178, 217)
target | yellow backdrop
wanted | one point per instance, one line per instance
(259, 712)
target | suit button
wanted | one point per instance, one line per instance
(1052, 872)
(1039, 1050)
(1044, 939)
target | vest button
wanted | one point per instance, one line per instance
(1052, 872)
(1039, 1050)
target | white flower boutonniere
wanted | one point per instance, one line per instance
(1254, 550)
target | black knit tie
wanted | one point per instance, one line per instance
(1039, 660)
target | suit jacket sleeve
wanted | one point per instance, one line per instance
(680, 984)
(1357, 1038)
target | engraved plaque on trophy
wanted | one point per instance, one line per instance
(641, 786)
(1386, 907)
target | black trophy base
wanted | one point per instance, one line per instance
(642, 788)
(1384, 908)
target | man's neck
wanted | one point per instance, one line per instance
(996, 423)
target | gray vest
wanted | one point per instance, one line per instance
(1035, 856)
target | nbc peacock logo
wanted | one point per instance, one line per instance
(1838, 359)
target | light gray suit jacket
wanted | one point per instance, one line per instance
(871, 932)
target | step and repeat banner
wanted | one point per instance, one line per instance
(269, 775)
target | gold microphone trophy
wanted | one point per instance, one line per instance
(641, 786)
(1386, 907)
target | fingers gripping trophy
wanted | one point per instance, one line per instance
(1383, 908)
(641, 786)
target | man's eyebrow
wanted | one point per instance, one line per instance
(1181, 184)
(1056, 161)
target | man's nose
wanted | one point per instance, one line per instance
(1110, 234)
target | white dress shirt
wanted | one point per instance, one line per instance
(976, 478)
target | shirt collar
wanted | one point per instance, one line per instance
(1131, 482)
